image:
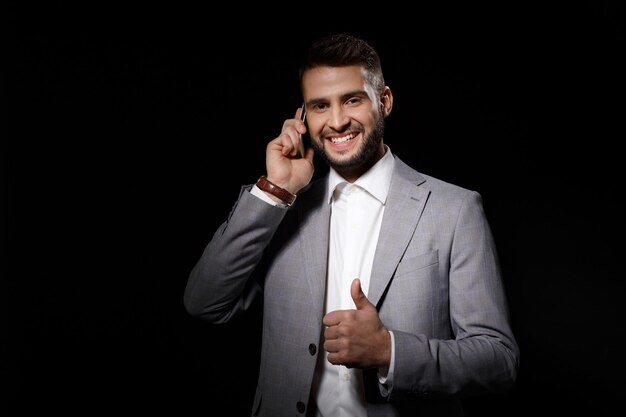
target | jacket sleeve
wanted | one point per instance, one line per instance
(220, 285)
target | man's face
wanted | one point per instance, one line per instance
(344, 118)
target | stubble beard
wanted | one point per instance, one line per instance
(363, 158)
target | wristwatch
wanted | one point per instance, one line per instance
(266, 185)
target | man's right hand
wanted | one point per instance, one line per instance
(285, 166)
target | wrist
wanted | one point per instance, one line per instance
(275, 191)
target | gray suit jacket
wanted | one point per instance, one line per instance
(435, 281)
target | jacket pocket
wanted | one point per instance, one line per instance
(414, 263)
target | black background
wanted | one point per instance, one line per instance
(131, 129)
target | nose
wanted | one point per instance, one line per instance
(338, 119)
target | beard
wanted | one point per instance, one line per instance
(364, 157)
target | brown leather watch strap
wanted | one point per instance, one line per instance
(266, 185)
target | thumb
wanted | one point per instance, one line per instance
(359, 298)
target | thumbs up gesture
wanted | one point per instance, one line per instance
(357, 338)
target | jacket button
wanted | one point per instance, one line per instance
(312, 349)
(300, 406)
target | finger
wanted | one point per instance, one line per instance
(359, 298)
(332, 319)
(300, 126)
(331, 333)
(286, 143)
(296, 123)
(331, 346)
(333, 358)
(291, 132)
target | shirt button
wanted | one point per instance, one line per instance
(300, 406)
(347, 376)
(312, 349)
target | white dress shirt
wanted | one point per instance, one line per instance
(356, 216)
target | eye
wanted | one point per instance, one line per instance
(353, 101)
(319, 107)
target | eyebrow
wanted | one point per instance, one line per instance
(345, 96)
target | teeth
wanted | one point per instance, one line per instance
(343, 139)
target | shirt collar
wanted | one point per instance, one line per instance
(375, 181)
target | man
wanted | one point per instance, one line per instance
(382, 294)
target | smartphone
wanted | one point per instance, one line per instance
(303, 118)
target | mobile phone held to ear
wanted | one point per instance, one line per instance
(303, 118)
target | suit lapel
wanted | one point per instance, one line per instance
(404, 207)
(314, 219)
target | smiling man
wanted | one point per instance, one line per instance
(346, 116)
(382, 292)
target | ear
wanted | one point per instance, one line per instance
(386, 101)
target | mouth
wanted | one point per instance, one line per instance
(339, 140)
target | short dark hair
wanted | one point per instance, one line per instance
(342, 50)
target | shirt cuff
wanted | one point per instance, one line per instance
(385, 375)
(263, 196)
